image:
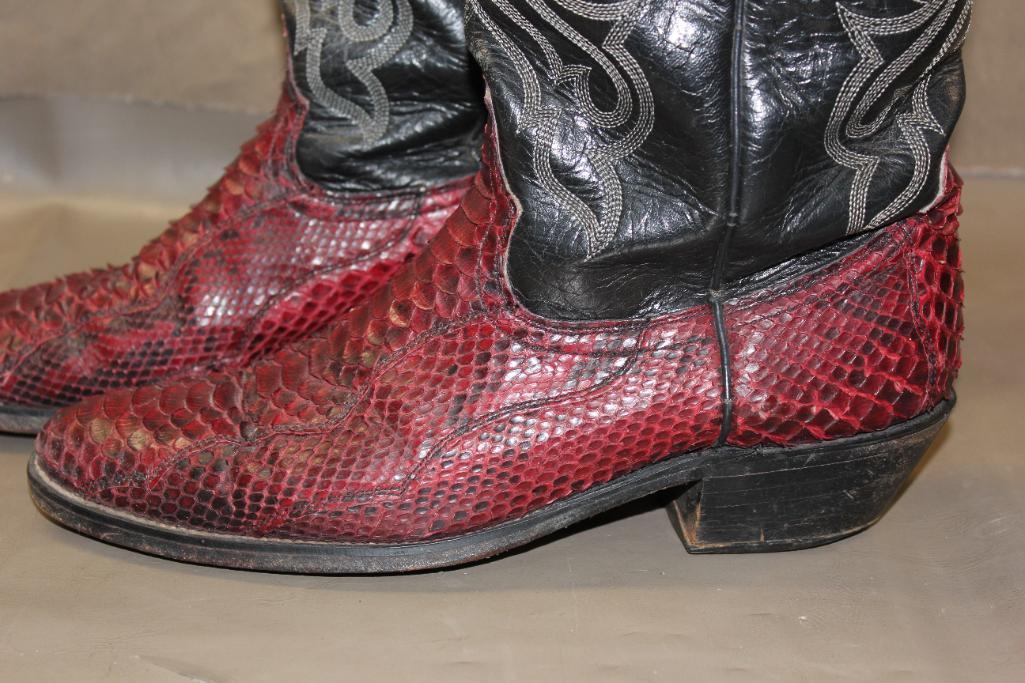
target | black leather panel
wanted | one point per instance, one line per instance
(783, 125)
(395, 100)
(649, 238)
(799, 68)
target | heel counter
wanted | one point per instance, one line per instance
(866, 342)
(936, 272)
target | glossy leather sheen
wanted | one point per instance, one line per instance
(395, 99)
(664, 148)
(265, 258)
(442, 406)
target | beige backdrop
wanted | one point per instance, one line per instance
(226, 54)
(934, 593)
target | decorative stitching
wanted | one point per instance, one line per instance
(543, 115)
(391, 26)
(871, 80)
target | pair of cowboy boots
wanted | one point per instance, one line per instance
(710, 248)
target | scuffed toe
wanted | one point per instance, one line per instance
(110, 448)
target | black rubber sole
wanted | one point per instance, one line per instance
(730, 500)
(20, 420)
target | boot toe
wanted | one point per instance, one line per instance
(109, 449)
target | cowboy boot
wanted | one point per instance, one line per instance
(712, 250)
(375, 139)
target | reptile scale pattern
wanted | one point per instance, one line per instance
(266, 258)
(441, 406)
(871, 341)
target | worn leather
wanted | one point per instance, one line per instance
(441, 406)
(395, 99)
(663, 149)
(445, 404)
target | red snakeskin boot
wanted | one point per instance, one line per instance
(324, 205)
(534, 366)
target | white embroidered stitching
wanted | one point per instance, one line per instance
(628, 81)
(392, 25)
(860, 94)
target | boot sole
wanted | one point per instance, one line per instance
(23, 420)
(730, 500)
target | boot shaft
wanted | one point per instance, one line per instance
(394, 98)
(665, 149)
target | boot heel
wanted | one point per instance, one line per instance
(762, 500)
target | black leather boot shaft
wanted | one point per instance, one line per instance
(395, 100)
(664, 149)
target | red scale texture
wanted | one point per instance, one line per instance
(441, 406)
(865, 343)
(266, 258)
